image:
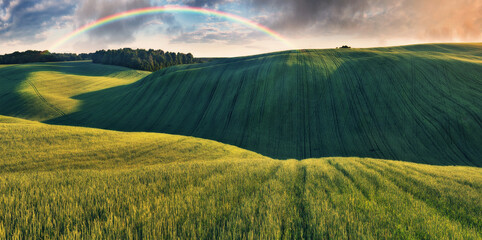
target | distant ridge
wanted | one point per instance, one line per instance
(419, 103)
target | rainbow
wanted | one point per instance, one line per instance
(161, 9)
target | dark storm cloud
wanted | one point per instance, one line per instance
(119, 31)
(428, 19)
(27, 20)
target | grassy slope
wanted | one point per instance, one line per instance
(414, 103)
(31, 146)
(58, 181)
(41, 91)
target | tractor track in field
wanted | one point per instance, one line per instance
(446, 96)
(234, 101)
(435, 176)
(320, 92)
(349, 83)
(407, 103)
(262, 106)
(166, 106)
(302, 96)
(437, 122)
(282, 84)
(378, 133)
(242, 199)
(393, 173)
(448, 120)
(302, 205)
(244, 136)
(56, 109)
(411, 104)
(346, 174)
(333, 105)
(409, 94)
(422, 111)
(207, 105)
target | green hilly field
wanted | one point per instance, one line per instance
(418, 103)
(82, 183)
(286, 145)
(41, 91)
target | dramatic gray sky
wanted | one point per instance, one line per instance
(38, 24)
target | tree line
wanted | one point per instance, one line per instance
(141, 59)
(40, 56)
(149, 60)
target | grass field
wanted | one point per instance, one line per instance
(42, 91)
(72, 182)
(417, 103)
(63, 179)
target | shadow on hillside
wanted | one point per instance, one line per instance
(86, 68)
(387, 107)
(11, 101)
(30, 106)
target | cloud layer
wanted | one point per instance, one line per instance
(428, 19)
(119, 31)
(219, 32)
(204, 3)
(28, 20)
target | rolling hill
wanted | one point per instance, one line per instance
(75, 182)
(42, 91)
(418, 103)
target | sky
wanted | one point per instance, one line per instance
(39, 24)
